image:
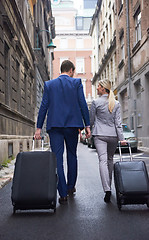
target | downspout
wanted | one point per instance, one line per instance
(132, 102)
(97, 23)
(128, 46)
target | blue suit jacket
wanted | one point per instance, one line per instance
(64, 100)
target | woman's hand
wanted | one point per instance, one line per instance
(123, 142)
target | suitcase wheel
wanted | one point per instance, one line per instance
(14, 210)
(54, 210)
(119, 206)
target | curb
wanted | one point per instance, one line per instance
(4, 181)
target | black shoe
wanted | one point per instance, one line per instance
(107, 196)
(63, 200)
(71, 191)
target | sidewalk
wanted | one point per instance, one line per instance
(6, 174)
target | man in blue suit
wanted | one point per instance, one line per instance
(64, 104)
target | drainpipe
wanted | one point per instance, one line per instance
(132, 102)
(128, 46)
(129, 60)
(97, 23)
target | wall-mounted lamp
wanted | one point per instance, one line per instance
(50, 46)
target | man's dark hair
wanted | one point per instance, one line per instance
(66, 66)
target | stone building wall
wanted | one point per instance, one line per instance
(19, 75)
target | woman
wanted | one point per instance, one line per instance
(105, 120)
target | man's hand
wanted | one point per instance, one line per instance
(38, 134)
(88, 132)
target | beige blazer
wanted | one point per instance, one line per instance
(104, 123)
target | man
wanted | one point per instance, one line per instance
(64, 100)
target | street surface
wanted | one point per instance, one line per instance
(86, 217)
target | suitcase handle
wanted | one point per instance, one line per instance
(120, 151)
(42, 143)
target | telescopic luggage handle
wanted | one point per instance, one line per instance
(42, 143)
(120, 151)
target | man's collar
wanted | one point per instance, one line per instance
(64, 74)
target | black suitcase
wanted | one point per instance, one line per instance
(131, 181)
(34, 183)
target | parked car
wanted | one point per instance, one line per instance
(130, 137)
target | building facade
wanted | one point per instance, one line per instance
(133, 66)
(20, 22)
(103, 32)
(120, 36)
(73, 42)
(44, 31)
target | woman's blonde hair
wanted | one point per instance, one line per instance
(107, 85)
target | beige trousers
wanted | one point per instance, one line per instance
(105, 147)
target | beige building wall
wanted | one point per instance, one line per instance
(103, 32)
(73, 54)
(75, 45)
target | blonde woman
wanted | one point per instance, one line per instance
(105, 121)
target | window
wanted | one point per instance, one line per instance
(111, 73)
(28, 146)
(124, 97)
(18, 84)
(7, 73)
(139, 119)
(80, 65)
(122, 47)
(138, 25)
(63, 43)
(21, 147)
(138, 88)
(79, 23)
(10, 150)
(79, 43)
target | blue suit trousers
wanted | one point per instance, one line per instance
(69, 136)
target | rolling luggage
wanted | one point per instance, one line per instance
(34, 183)
(131, 181)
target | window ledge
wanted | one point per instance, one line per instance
(136, 46)
(139, 126)
(121, 64)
